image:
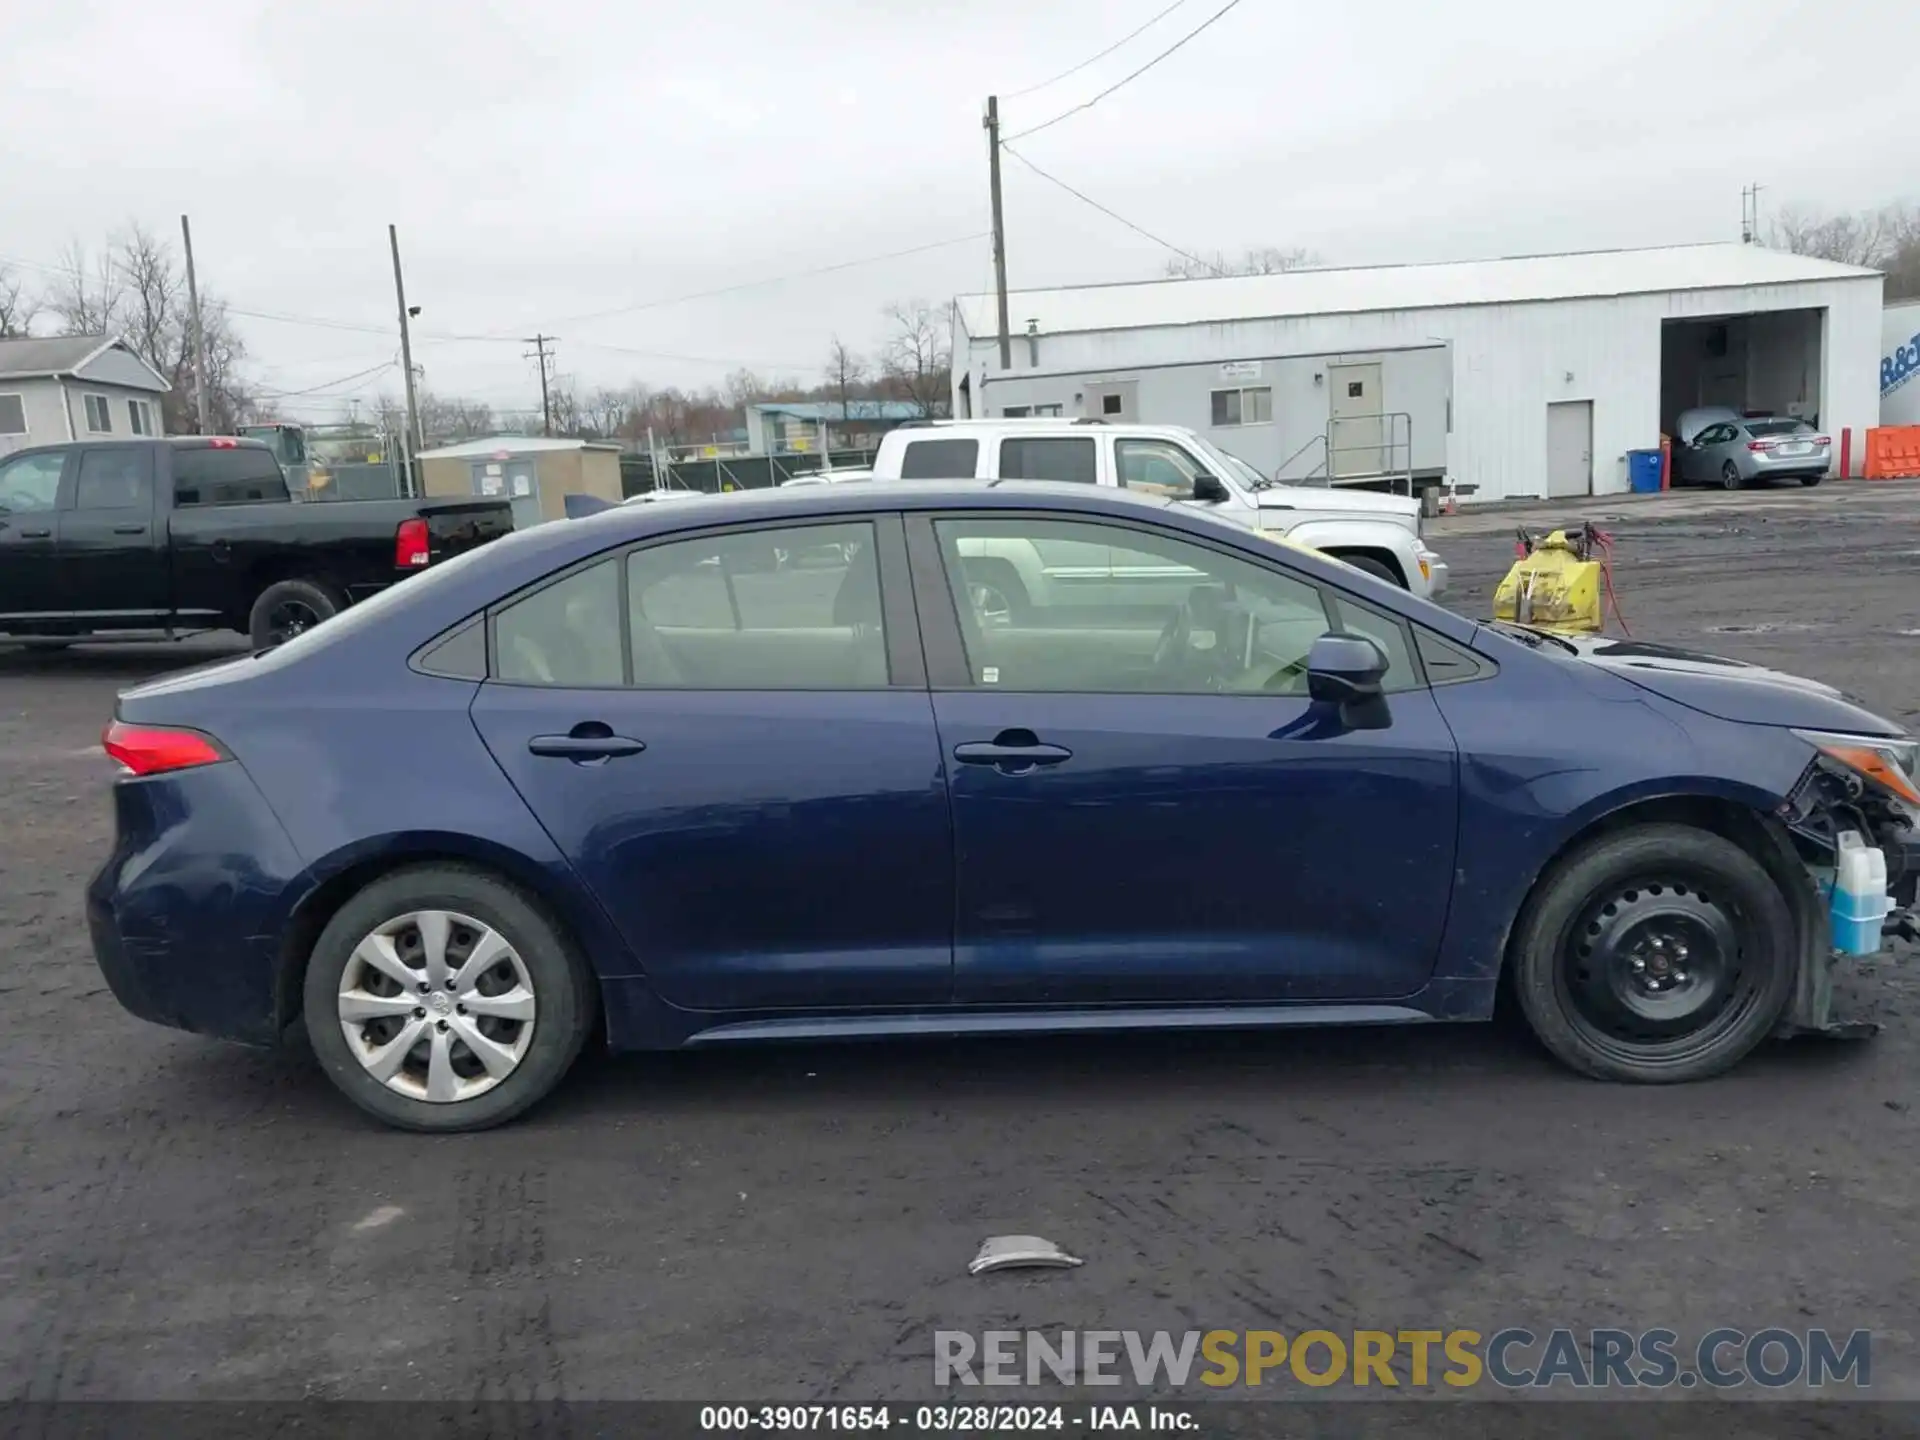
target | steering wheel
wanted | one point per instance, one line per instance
(1177, 634)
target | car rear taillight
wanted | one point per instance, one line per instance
(155, 749)
(1761, 444)
(1821, 440)
(410, 544)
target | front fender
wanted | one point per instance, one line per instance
(1327, 535)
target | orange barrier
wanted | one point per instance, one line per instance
(1893, 451)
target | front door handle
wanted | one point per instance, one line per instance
(586, 744)
(129, 529)
(36, 534)
(1011, 752)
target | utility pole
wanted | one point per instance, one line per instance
(415, 441)
(992, 122)
(203, 401)
(540, 352)
(1750, 214)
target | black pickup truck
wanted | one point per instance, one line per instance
(116, 539)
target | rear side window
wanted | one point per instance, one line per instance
(114, 480)
(566, 634)
(940, 460)
(243, 475)
(1049, 458)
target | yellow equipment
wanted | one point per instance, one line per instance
(1556, 583)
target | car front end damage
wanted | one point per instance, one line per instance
(1863, 785)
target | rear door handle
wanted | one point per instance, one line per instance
(36, 534)
(585, 748)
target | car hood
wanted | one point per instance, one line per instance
(1367, 503)
(1732, 689)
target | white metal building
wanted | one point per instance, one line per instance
(1521, 377)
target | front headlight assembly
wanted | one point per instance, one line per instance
(1887, 764)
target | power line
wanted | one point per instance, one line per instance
(540, 344)
(1110, 214)
(343, 380)
(1015, 95)
(774, 279)
(1045, 124)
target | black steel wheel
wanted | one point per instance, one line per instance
(1662, 953)
(288, 608)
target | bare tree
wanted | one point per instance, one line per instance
(1257, 260)
(1850, 239)
(86, 294)
(605, 411)
(845, 372)
(152, 316)
(918, 355)
(17, 307)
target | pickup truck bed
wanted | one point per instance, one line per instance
(127, 538)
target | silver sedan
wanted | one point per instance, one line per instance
(1723, 447)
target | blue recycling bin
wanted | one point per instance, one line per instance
(1643, 470)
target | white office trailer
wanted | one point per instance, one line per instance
(1522, 377)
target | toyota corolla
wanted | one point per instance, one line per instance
(779, 766)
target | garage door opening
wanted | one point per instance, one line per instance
(1767, 363)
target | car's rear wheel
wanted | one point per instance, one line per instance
(440, 998)
(288, 608)
(1730, 476)
(1656, 955)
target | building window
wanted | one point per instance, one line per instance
(1036, 412)
(99, 415)
(1109, 404)
(13, 415)
(1016, 412)
(1243, 407)
(1047, 412)
(140, 417)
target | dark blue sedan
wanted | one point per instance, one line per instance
(877, 760)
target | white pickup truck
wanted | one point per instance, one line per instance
(1376, 533)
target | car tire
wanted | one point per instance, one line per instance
(537, 969)
(1379, 569)
(1604, 963)
(1730, 476)
(289, 607)
(1811, 480)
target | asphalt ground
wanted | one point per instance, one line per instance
(185, 1219)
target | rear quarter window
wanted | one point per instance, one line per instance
(940, 460)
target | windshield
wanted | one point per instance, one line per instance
(1230, 468)
(1247, 473)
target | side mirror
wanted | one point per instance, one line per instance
(1208, 488)
(1347, 670)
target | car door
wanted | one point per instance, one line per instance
(739, 759)
(1148, 808)
(112, 548)
(29, 520)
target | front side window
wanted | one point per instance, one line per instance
(565, 634)
(1158, 467)
(940, 460)
(796, 608)
(114, 479)
(31, 482)
(1152, 615)
(1049, 457)
(99, 415)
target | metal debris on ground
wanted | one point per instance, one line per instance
(1013, 1252)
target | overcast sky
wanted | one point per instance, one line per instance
(569, 167)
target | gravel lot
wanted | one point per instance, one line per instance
(181, 1219)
